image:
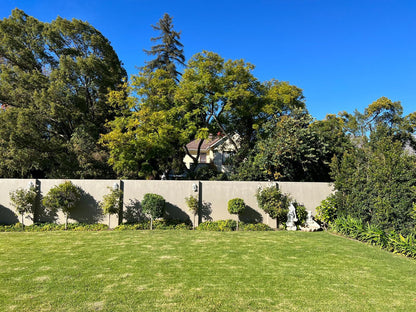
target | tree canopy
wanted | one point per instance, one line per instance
(54, 78)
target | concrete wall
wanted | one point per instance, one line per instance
(213, 195)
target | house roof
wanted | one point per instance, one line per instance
(207, 144)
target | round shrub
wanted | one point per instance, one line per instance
(236, 206)
(154, 205)
(63, 197)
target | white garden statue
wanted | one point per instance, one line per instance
(310, 224)
(291, 218)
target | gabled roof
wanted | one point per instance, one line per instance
(208, 144)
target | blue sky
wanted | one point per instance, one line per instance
(343, 54)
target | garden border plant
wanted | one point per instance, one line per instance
(153, 205)
(274, 203)
(64, 197)
(236, 206)
(24, 200)
(193, 205)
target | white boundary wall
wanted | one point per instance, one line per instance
(214, 196)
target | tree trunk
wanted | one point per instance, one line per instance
(151, 223)
(66, 222)
(23, 221)
(109, 220)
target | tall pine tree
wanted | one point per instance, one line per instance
(168, 50)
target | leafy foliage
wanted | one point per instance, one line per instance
(376, 183)
(112, 202)
(64, 197)
(164, 224)
(47, 227)
(273, 202)
(193, 204)
(236, 206)
(326, 212)
(154, 205)
(54, 78)
(301, 213)
(24, 200)
(220, 226)
(375, 235)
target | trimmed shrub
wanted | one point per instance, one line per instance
(221, 226)
(46, 227)
(274, 203)
(236, 206)
(193, 205)
(24, 201)
(153, 205)
(63, 197)
(164, 224)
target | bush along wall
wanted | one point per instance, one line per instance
(375, 235)
(46, 227)
(231, 225)
(160, 224)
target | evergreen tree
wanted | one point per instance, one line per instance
(168, 50)
(54, 78)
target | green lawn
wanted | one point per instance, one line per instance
(200, 271)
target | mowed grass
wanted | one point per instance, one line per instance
(200, 271)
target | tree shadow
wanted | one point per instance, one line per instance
(45, 215)
(205, 212)
(7, 216)
(176, 213)
(250, 215)
(134, 213)
(87, 210)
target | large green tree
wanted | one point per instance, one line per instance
(287, 150)
(146, 140)
(213, 96)
(375, 180)
(54, 78)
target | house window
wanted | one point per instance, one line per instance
(203, 158)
